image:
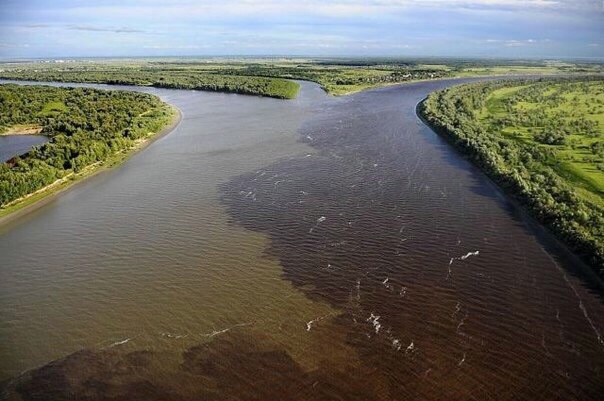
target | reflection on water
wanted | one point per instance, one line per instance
(229, 261)
(15, 145)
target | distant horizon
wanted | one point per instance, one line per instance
(351, 57)
(510, 29)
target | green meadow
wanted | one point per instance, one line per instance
(565, 118)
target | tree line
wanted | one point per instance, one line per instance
(523, 170)
(175, 79)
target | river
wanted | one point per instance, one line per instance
(318, 248)
(15, 145)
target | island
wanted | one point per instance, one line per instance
(88, 129)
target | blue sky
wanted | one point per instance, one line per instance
(476, 28)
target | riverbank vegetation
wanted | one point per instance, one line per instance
(215, 81)
(541, 141)
(271, 76)
(86, 127)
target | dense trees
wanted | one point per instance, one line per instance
(269, 87)
(484, 128)
(85, 126)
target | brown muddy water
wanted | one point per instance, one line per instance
(311, 249)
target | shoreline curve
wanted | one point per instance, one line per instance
(49, 193)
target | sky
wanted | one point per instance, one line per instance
(394, 28)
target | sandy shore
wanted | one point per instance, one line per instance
(32, 129)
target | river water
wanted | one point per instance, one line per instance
(318, 248)
(15, 145)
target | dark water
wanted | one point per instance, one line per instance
(228, 261)
(15, 145)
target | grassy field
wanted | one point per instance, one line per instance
(513, 70)
(579, 158)
(51, 108)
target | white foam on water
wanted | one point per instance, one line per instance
(463, 359)
(403, 291)
(464, 257)
(310, 323)
(319, 221)
(120, 342)
(217, 332)
(410, 348)
(467, 255)
(461, 323)
(174, 336)
(457, 309)
(396, 344)
(374, 320)
(330, 267)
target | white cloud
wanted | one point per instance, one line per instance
(179, 47)
(283, 26)
(327, 8)
(516, 42)
(93, 28)
(13, 45)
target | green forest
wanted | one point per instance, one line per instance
(85, 127)
(541, 141)
(207, 81)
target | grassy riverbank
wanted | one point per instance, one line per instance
(541, 141)
(121, 124)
